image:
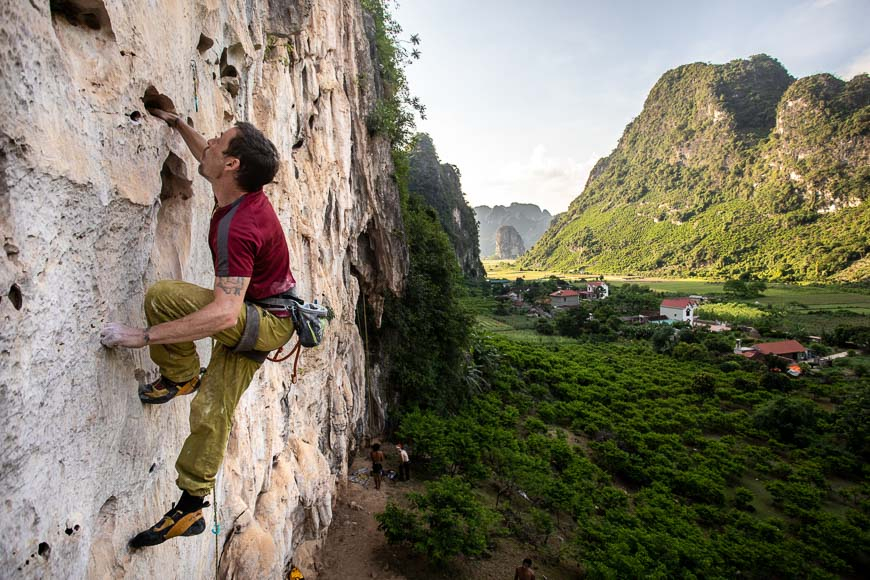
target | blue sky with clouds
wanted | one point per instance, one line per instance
(524, 96)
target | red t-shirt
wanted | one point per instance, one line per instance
(246, 240)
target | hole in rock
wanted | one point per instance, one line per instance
(204, 43)
(44, 550)
(68, 531)
(88, 13)
(190, 121)
(173, 177)
(231, 84)
(15, 296)
(152, 99)
(135, 116)
(299, 143)
(151, 469)
(77, 527)
(229, 71)
(311, 122)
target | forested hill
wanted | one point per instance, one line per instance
(729, 169)
(439, 185)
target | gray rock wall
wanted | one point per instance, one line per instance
(508, 243)
(98, 200)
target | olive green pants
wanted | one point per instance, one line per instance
(224, 383)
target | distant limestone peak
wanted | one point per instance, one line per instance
(508, 243)
(529, 220)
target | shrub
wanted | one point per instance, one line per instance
(444, 522)
(791, 419)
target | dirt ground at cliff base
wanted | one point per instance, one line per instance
(356, 549)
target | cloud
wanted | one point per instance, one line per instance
(859, 65)
(551, 182)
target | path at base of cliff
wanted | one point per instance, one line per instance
(356, 549)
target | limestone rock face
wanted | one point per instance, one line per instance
(98, 200)
(508, 243)
(439, 184)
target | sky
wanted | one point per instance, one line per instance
(524, 97)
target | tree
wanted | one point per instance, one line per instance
(446, 521)
(790, 418)
(744, 287)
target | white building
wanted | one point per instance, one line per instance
(598, 290)
(679, 309)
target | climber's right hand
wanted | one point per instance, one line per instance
(170, 118)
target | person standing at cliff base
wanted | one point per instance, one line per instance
(404, 463)
(525, 571)
(377, 457)
(251, 264)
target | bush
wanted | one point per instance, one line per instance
(743, 499)
(791, 419)
(444, 522)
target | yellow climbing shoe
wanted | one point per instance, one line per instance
(174, 523)
(163, 390)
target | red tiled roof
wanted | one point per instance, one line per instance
(781, 347)
(596, 284)
(678, 302)
(561, 293)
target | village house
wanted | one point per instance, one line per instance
(790, 349)
(679, 309)
(565, 298)
(597, 289)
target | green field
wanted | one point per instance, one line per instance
(803, 309)
(518, 330)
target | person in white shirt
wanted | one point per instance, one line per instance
(405, 463)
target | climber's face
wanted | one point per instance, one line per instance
(215, 164)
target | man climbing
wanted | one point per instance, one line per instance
(252, 264)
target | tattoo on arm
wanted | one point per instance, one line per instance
(232, 286)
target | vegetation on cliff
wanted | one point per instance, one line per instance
(426, 331)
(729, 169)
(439, 185)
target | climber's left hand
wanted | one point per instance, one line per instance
(116, 334)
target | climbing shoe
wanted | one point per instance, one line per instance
(176, 522)
(163, 390)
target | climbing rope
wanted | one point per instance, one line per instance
(216, 530)
(195, 85)
(366, 353)
(278, 358)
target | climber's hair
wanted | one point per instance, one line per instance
(258, 157)
(376, 447)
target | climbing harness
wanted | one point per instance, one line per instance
(307, 326)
